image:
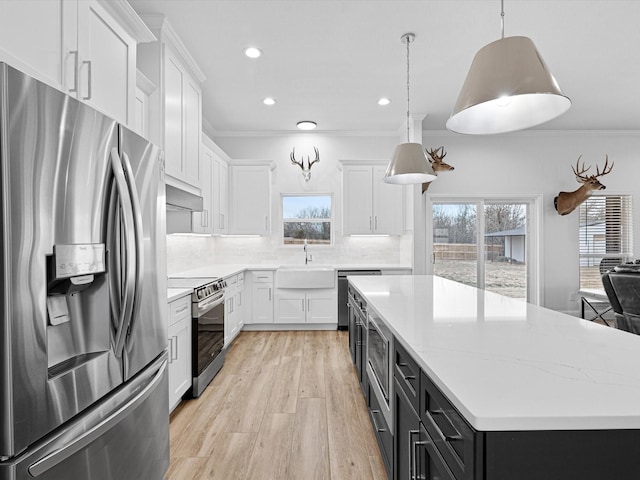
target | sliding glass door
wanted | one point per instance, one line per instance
(485, 243)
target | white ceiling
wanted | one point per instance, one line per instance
(329, 61)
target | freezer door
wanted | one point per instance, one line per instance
(124, 437)
(147, 332)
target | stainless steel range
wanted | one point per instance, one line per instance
(207, 334)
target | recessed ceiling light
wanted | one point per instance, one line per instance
(252, 52)
(307, 125)
(269, 101)
(384, 101)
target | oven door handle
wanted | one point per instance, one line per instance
(210, 303)
(373, 323)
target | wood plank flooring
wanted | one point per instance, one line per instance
(285, 406)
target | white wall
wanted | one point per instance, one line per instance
(538, 162)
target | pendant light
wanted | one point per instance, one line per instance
(509, 87)
(409, 163)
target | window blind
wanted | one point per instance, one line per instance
(605, 236)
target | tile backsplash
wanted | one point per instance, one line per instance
(186, 252)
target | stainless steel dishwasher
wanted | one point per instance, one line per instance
(343, 297)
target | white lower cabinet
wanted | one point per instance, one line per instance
(261, 310)
(306, 306)
(179, 346)
(233, 308)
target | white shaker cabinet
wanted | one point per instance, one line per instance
(234, 307)
(179, 347)
(251, 199)
(220, 206)
(203, 221)
(317, 306)
(371, 207)
(176, 110)
(262, 296)
(85, 48)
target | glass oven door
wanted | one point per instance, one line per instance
(208, 332)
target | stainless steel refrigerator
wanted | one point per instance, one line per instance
(83, 366)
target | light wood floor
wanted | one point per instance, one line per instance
(286, 405)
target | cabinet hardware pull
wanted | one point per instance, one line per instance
(376, 223)
(370, 224)
(452, 438)
(412, 454)
(308, 304)
(75, 71)
(88, 63)
(266, 223)
(402, 364)
(182, 309)
(302, 300)
(269, 293)
(414, 449)
(375, 424)
(409, 377)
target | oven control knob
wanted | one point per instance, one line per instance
(199, 294)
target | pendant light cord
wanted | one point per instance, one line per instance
(408, 40)
(502, 17)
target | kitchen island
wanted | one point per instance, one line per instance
(546, 395)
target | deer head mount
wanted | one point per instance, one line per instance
(435, 156)
(306, 171)
(566, 202)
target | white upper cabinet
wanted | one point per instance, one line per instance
(251, 199)
(85, 48)
(176, 110)
(371, 207)
(220, 196)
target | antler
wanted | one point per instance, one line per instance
(437, 157)
(604, 170)
(580, 174)
(292, 156)
(315, 160)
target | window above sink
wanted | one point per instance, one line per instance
(307, 217)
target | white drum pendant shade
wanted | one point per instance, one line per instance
(409, 165)
(508, 88)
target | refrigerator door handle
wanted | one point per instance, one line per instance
(54, 458)
(138, 231)
(129, 238)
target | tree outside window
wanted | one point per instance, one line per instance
(306, 217)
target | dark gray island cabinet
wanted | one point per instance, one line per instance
(542, 414)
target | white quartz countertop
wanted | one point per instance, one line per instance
(176, 293)
(509, 365)
(224, 270)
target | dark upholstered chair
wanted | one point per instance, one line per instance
(625, 281)
(613, 300)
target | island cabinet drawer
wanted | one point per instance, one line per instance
(407, 372)
(452, 435)
(381, 429)
(180, 308)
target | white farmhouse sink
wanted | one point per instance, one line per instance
(305, 276)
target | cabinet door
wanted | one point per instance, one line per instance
(40, 39)
(220, 202)
(262, 303)
(192, 132)
(290, 306)
(388, 205)
(251, 199)
(202, 221)
(322, 307)
(357, 200)
(407, 433)
(179, 360)
(174, 79)
(107, 70)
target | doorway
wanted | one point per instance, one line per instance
(488, 243)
